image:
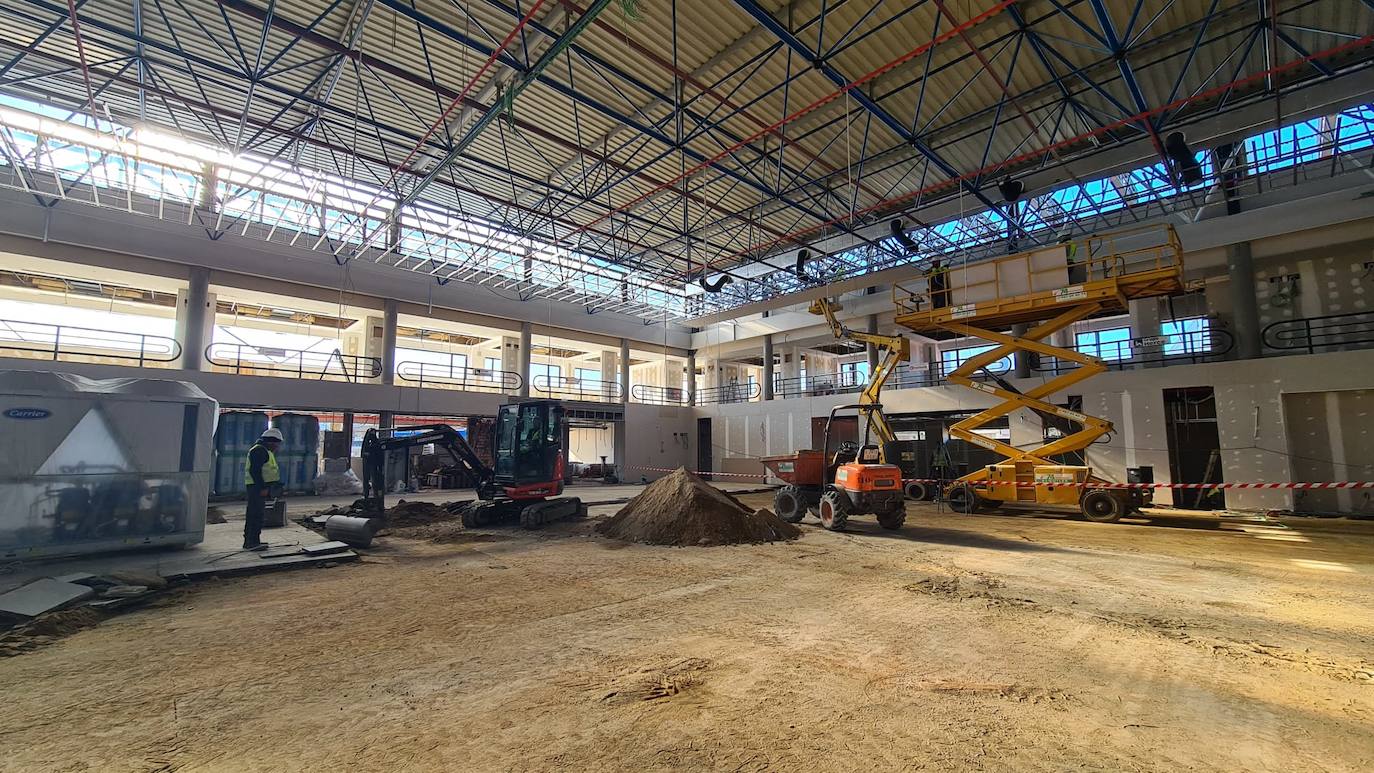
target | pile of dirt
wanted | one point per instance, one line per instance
(405, 514)
(360, 508)
(47, 629)
(682, 509)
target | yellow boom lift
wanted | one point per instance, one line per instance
(893, 350)
(858, 478)
(1050, 289)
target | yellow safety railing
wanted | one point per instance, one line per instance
(1113, 256)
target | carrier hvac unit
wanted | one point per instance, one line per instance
(95, 465)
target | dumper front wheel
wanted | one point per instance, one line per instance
(789, 504)
(834, 510)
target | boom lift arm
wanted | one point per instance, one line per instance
(894, 349)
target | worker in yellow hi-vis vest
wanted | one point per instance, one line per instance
(262, 475)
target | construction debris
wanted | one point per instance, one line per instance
(400, 515)
(357, 532)
(42, 595)
(324, 548)
(682, 509)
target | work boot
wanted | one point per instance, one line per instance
(256, 548)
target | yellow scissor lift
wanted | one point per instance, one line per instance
(1049, 288)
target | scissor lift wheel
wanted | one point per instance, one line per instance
(1102, 506)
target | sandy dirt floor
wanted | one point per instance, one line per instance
(958, 643)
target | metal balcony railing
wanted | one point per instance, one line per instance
(729, 393)
(1189, 348)
(459, 376)
(589, 389)
(823, 384)
(1353, 330)
(247, 360)
(913, 378)
(57, 342)
(657, 395)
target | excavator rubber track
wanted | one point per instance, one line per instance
(533, 515)
(537, 515)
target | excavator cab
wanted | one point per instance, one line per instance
(529, 461)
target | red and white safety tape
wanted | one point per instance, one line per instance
(704, 474)
(1030, 484)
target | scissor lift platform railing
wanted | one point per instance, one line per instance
(1109, 269)
(1050, 288)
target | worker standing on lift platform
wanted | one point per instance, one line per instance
(1078, 273)
(938, 278)
(263, 476)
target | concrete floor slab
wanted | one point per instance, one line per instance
(42, 595)
(221, 551)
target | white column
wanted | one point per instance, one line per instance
(691, 374)
(195, 323)
(523, 361)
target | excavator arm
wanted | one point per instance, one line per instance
(376, 444)
(892, 349)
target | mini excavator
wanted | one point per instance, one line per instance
(525, 482)
(859, 478)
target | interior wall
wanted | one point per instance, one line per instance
(1250, 417)
(1331, 437)
(657, 436)
(587, 445)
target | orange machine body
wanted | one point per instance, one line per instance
(869, 478)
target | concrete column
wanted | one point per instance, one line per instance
(610, 366)
(767, 385)
(347, 429)
(386, 419)
(389, 342)
(1146, 325)
(624, 370)
(1022, 359)
(524, 361)
(692, 377)
(195, 324)
(791, 366)
(1244, 307)
(872, 348)
(510, 354)
(1064, 340)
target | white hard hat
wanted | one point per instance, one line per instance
(272, 434)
